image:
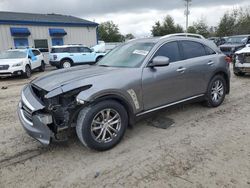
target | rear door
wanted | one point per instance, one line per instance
(198, 65)
(75, 54)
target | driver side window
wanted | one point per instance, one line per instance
(170, 50)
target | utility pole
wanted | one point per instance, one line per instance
(187, 11)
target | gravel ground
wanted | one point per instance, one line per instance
(204, 147)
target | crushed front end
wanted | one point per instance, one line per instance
(242, 63)
(45, 118)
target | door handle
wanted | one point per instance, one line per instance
(83, 54)
(181, 69)
(71, 55)
(210, 63)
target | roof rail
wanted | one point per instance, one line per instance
(184, 35)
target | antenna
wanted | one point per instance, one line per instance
(187, 11)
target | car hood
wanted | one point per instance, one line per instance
(244, 50)
(63, 77)
(10, 61)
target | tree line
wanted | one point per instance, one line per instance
(233, 22)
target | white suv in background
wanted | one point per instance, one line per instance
(69, 55)
(21, 62)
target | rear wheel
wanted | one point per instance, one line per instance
(216, 91)
(27, 73)
(66, 64)
(102, 126)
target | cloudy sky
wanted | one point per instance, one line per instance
(132, 16)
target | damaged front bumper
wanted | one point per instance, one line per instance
(32, 119)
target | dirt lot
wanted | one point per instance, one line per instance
(204, 148)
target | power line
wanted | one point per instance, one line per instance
(187, 11)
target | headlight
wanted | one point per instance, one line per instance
(233, 49)
(18, 64)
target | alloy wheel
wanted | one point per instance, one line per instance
(217, 91)
(105, 125)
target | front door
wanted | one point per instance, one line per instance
(164, 85)
(87, 55)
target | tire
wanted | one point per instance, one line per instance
(42, 67)
(27, 73)
(93, 117)
(98, 58)
(216, 91)
(66, 64)
(239, 73)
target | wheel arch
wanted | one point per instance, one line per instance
(123, 102)
(99, 56)
(66, 58)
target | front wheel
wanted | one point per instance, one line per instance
(101, 126)
(216, 91)
(27, 73)
(42, 67)
(98, 58)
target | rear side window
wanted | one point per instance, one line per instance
(59, 50)
(170, 50)
(74, 50)
(209, 51)
(192, 49)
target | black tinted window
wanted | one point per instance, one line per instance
(170, 50)
(59, 50)
(209, 51)
(85, 50)
(74, 50)
(192, 49)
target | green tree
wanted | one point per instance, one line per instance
(201, 28)
(227, 25)
(109, 32)
(191, 29)
(129, 36)
(167, 27)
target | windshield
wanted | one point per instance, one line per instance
(127, 55)
(12, 55)
(237, 40)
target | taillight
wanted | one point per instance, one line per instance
(228, 59)
(54, 57)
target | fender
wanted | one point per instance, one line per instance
(92, 95)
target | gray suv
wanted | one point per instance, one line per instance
(136, 78)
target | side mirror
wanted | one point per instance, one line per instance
(159, 61)
(29, 57)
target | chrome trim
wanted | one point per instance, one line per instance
(24, 118)
(168, 105)
(25, 101)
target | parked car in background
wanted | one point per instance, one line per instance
(241, 64)
(21, 62)
(139, 77)
(234, 43)
(218, 40)
(69, 55)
